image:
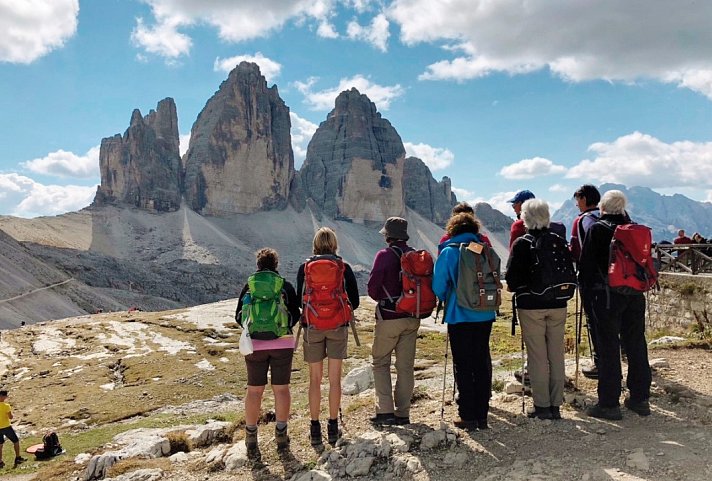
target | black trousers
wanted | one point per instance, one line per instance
(469, 343)
(587, 304)
(621, 322)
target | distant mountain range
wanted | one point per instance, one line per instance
(664, 214)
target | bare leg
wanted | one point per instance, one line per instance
(282, 401)
(334, 387)
(253, 401)
(316, 372)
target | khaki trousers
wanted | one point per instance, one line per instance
(397, 335)
(543, 331)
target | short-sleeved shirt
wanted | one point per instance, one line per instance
(5, 410)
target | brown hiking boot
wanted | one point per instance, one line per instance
(251, 439)
(281, 437)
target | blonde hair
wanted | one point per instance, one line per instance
(324, 242)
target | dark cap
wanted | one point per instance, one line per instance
(395, 228)
(521, 196)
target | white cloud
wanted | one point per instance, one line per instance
(381, 95)
(326, 30)
(184, 143)
(560, 188)
(463, 193)
(269, 68)
(709, 196)
(530, 168)
(235, 20)
(359, 5)
(498, 200)
(376, 33)
(640, 159)
(302, 132)
(66, 164)
(30, 30)
(436, 158)
(23, 197)
(578, 41)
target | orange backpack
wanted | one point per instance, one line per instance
(326, 305)
(417, 297)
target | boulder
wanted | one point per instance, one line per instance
(235, 457)
(358, 380)
(139, 475)
(143, 168)
(207, 434)
(312, 475)
(359, 466)
(240, 157)
(433, 439)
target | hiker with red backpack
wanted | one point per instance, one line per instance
(616, 268)
(329, 296)
(466, 278)
(540, 273)
(400, 282)
(268, 308)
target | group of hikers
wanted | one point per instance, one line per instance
(606, 262)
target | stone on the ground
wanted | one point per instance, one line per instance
(400, 443)
(139, 475)
(513, 387)
(638, 460)
(313, 475)
(433, 439)
(666, 340)
(235, 457)
(659, 363)
(216, 454)
(206, 434)
(145, 443)
(358, 380)
(82, 458)
(457, 459)
(99, 465)
(359, 466)
(179, 457)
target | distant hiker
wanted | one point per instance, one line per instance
(459, 208)
(469, 314)
(517, 229)
(682, 238)
(587, 198)
(619, 314)
(329, 295)
(6, 430)
(268, 307)
(540, 272)
(396, 331)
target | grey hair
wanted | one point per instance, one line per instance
(535, 214)
(613, 202)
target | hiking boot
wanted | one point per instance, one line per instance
(555, 412)
(315, 434)
(19, 460)
(591, 372)
(2, 464)
(612, 413)
(333, 433)
(641, 408)
(540, 413)
(281, 437)
(518, 377)
(384, 419)
(466, 424)
(402, 420)
(251, 439)
(482, 424)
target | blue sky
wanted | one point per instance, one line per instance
(538, 94)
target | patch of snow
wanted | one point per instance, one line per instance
(51, 341)
(210, 316)
(108, 387)
(7, 354)
(205, 365)
(136, 336)
(95, 355)
(224, 359)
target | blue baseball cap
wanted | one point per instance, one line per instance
(521, 196)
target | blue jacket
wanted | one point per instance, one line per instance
(445, 283)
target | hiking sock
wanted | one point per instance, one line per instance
(281, 425)
(280, 435)
(251, 437)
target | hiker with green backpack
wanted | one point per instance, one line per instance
(329, 294)
(466, 278)
(268, 308)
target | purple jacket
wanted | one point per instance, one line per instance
(385, 277)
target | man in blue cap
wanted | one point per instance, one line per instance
(518, 230)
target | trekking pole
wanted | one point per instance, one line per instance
(577, 340)
(521, 335)
(353, 330)
(447, 342)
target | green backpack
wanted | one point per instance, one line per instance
(478, 284)
(264, 311)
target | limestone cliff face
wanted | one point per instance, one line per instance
(142, 168)
(240, 157)
(428, 197)
(354, 163)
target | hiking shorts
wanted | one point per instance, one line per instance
(278, 361)
(318, 345)
(8, 433)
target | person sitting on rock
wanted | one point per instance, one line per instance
(329, 293)
(269, 307)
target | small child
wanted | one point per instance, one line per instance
(7, 431)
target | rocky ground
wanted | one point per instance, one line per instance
(181, 371)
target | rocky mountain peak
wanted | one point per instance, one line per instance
(240, 156)
(142, 168)
(422, 193)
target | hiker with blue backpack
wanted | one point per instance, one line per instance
(616, 267)
(329, 295)
(541, 275)
(267, 309)
(466, 278)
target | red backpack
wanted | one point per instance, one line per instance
(630, 263)
(326, 305)
(417, 297)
